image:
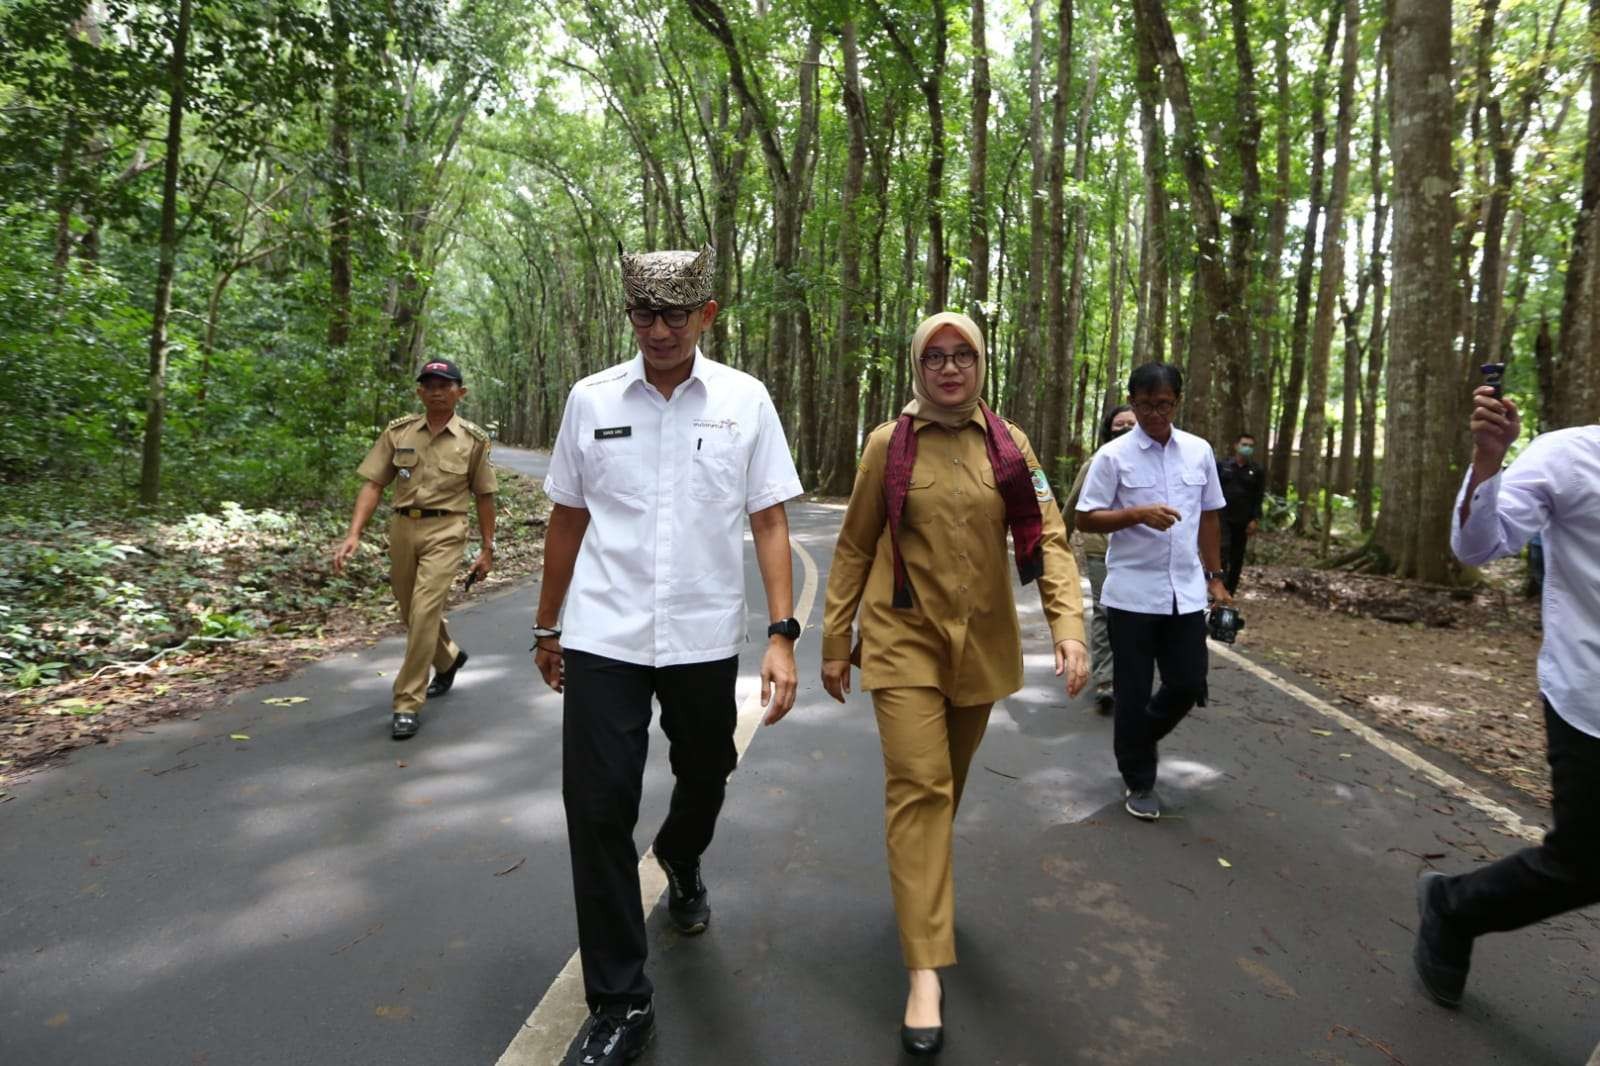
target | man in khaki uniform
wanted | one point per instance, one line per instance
(439, 464)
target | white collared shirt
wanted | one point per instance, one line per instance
(667, 483)
(1147, 570)
(1553, 488)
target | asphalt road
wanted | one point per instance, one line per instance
(319, 893)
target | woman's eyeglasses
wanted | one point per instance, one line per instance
(674, 317)
(934, 358)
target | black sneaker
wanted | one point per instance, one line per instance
(686, 896)
(616, 1035)
(1142, 803)
(1441, 956)
(445, 678)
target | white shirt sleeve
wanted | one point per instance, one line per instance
(771, 477)
(1100, 485)
(564, 482)
(1508, 509)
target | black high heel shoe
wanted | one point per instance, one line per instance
(928, 1040)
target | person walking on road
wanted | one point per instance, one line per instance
(1244, 487)
(1093, 545)
(1553, 488)
(922, 551)
(655, 467)
(1156, 492)
(439, 465)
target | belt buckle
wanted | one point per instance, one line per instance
(413, 512)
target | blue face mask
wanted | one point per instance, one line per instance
(1246, 450)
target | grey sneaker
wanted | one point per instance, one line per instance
(1142, 803)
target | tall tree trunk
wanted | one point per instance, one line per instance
(1420, 468)
(852, 303)
(1366, 469)
(978, 178)
(1149, 338)
(156, 401)
(1578, 347)
(339, 184)
(1030, 353)
(1058, 375)
(1268, 330)
(1331, 279)
(1119, 259)
(1289, 414)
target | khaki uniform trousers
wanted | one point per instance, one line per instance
(424, 554)
(927, 747)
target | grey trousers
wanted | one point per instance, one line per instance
(1099, 635)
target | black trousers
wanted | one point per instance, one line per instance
(1235, 536)
(605, 736)
(1560, 875)
(1140, 643)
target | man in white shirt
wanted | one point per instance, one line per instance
(1155, 491)
(1553, 487)
(655, 467)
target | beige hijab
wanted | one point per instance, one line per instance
(922, 404)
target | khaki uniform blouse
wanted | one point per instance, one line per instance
(441, 470)
(1089, 543)
(960, 635)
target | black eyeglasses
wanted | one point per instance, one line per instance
(674, 317)
(934, 358)
(1145, 407)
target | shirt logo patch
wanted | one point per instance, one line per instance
(613, 432)
(1041, 486)
(727, 425)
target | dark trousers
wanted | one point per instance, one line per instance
(1235, 536)
(1560, 875)
(1141, 643)
(605, 736)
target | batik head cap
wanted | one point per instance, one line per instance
(662, 280)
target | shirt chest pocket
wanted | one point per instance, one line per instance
(1194, 489)
(405, 463)
(1139, 488)
(614, 468)
(716, 472)
(453, 465)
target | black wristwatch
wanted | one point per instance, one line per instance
(1216, 575)
(785, 627)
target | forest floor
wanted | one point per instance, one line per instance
(1454, 668)
(154, 618)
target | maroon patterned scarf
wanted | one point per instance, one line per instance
(1023, 516)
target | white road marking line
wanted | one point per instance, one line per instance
(563, 1009)
(1508, 819)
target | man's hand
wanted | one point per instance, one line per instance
(483, 563)
(1072, 658)
(343, 553)
(1252, 527)
(778, 679)
(547, 657)
(1218, 592)
(1496, 425)
(1158, 516)
(836, 678)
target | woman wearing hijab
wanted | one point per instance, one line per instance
(1093, 545)
(922, 552)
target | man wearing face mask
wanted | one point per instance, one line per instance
(1244, 486)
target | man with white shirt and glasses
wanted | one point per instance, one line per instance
(1155, 491)
(1553, 488)
(655, 467)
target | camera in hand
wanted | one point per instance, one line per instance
(1224, 622)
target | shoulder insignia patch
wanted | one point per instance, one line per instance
(402, 420)
(1041, 486)
(476, 430)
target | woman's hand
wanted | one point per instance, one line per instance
(836, 677)
(1072, 659)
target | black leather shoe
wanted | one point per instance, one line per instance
(405, 725)
(442, 681)
(687, 905)
(1442, 956)
(1105, 702)
(616, 1035)
(928, 1040)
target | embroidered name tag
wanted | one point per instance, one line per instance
(612, 432)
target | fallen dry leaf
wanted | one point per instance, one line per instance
(238, 736)
(1224, 863)
(285, 701)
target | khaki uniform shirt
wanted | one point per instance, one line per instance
(442, 470)
(1088, 543)
(961, 634)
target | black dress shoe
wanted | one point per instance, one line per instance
(442, 681)
(927, 1040)
(1105, 702)
(405, 725)
(1442, 956)
(687, 904)
(616, 1035)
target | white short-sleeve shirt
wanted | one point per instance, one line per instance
(1553, 489)
(667, 483)
(1148, 570)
